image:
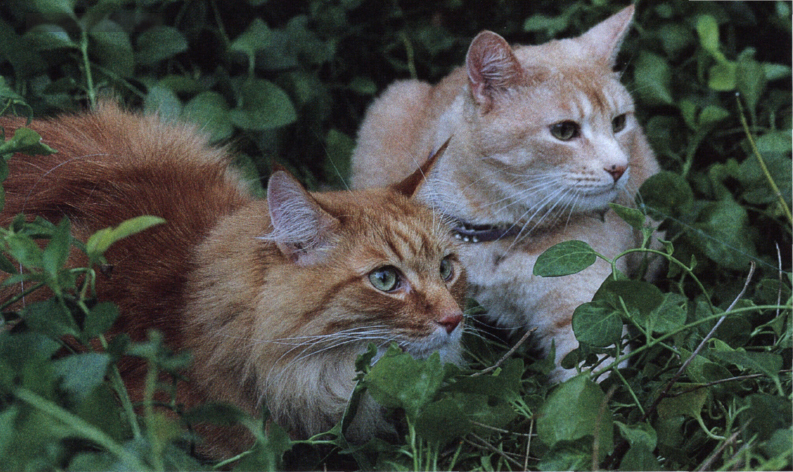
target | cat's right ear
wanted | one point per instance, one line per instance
(492, 68)
(410, 185)
(302, 230)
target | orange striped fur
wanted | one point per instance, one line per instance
(274, 301)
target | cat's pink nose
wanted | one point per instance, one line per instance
(616, 171)
(450, 322)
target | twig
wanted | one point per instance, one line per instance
(779, 292)
(492, 448)
(498, 430)
(622, 447)
(713, 330)
(528, 446)
(706, 465)
(506, 356)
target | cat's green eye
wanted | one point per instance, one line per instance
(385, 278)
(565, 130)
(618, 123)
(447, 270)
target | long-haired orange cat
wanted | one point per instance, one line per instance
(275, 299)
(544, 137)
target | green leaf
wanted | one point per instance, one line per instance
(766, 414)
(81, 373)
(338, 147)
(111, 47)
(568, 455)
(159, 43)
(597, 324)
(723, 234)
(443, 421)
(762, 362)
(573, 410)
(51, 318)
(210, 111)
(399, 381)
(100, 409)
(49, 37)
(640, 298)
(256, 37)
(687, 404)
(222, 414)
(632, 216)
(722, 77)
(750, 81)
(640, 457)
(708, 31)
(100, 241)
(653, 78)
(25, 250)
(639, 433)
(99, 11)
(6, 265)
(99, 320)
(268, 451)
(55, 9)
(363, 86)
(665, 194)
(263, 106)
(164, 102)
(26, 63)
(565, 258)
(669, 315)
(19, 349)
(26, 141)
(776, 71)
(712, 114)
(57, 251)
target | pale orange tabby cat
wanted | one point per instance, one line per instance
(275, 299)
(543, 138)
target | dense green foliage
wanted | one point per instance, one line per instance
(709, 381)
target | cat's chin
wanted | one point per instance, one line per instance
(596, 202)
(448, 346)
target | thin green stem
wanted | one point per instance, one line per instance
(21, 295)
(80, 427)
(410, 55)
(123, 395)
(630, 390)
(148, 408)
(761, 161)
(223, 464)
(685, 268)
(89, 79)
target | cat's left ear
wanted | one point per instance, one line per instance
(410, 185)
(302, 230)
(492, 68)
(605, 38)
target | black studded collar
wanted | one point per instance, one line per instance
(471, 233)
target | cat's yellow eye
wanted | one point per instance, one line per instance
(618, 123)
(447, 269)
(565, 130)
(385, 278)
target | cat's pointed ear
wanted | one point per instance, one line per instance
(492, 67)
(302, 230)
(605, 38)
(410, 185)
